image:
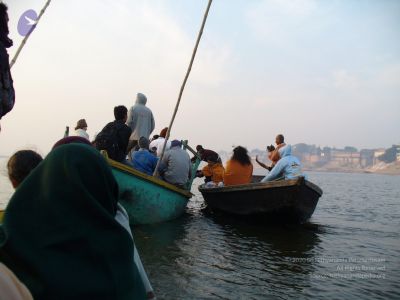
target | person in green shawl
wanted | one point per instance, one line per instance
(60, 236)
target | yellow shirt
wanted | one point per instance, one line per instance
(216, 171)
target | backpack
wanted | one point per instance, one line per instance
(107, 140)
(7, 92)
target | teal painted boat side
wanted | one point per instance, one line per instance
(147, 202)
(148, 199)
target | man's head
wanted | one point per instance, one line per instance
(199, 148)
(121, 113)
(141, 99)
(21, 164)
(279, 139)
(143, 143)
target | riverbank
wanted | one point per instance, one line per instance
(380, 168)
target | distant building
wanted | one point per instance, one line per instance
(377, 153)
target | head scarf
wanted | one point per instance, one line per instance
(163, 133)
(70, 140)
(285, 151)
(141, 99)
(81, 124)
(176, 143)
(59, 233)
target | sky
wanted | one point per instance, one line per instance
(319, 72)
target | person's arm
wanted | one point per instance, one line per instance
(129, 120)
(124, 138)
(262, 164)
(153, 124)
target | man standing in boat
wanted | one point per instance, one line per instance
(140, 120)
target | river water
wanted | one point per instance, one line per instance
(350, 249)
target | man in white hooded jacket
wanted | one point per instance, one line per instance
(140, 120)
(288, 167)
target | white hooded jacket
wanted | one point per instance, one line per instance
(140, 119)
(288, 167)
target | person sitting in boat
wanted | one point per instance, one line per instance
(158, 143)
(142, 160)
(206, 154)
(238, 169)
(270, 150)
(81, 129)
(75, 245)
(213, 171)
(175, 166)
(21, 164)
(275, 155)
(140, 120)
(121, 217)
(288, 167)
(115, 135)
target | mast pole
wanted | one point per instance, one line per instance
(183, 85)
(21, 46)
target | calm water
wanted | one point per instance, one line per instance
(350, 249)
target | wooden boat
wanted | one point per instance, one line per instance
(148, 199)
(282, 201)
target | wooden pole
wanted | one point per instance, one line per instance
(21, 46)
(183, 85)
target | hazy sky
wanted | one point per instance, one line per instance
(320, 72)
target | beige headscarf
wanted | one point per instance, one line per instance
(11, 288)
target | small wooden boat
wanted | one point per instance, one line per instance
(282, 201)
(148, 199)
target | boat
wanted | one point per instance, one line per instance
(148, 199)
(292, 201)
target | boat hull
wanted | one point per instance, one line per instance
(281, 201)
(147, 199)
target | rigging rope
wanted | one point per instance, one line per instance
(183, 85)
(29, 34)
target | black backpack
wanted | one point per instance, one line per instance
(107, 140)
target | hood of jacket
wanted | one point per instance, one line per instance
(141, 99)
(285, 151)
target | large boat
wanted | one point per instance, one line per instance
(283, 201)
(148, 199)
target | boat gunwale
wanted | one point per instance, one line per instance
(130, 170)
(262, 186)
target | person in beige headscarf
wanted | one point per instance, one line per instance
(10, 286)
(81, 128)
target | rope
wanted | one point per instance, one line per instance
(29, 34)
(183, 85)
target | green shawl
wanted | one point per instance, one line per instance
(59, 233)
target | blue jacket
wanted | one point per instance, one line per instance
(144, 161)
(288, 167)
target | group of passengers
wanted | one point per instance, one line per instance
(239, 168)
(126, 140)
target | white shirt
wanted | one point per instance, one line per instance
(158, 143)
(82, 133)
